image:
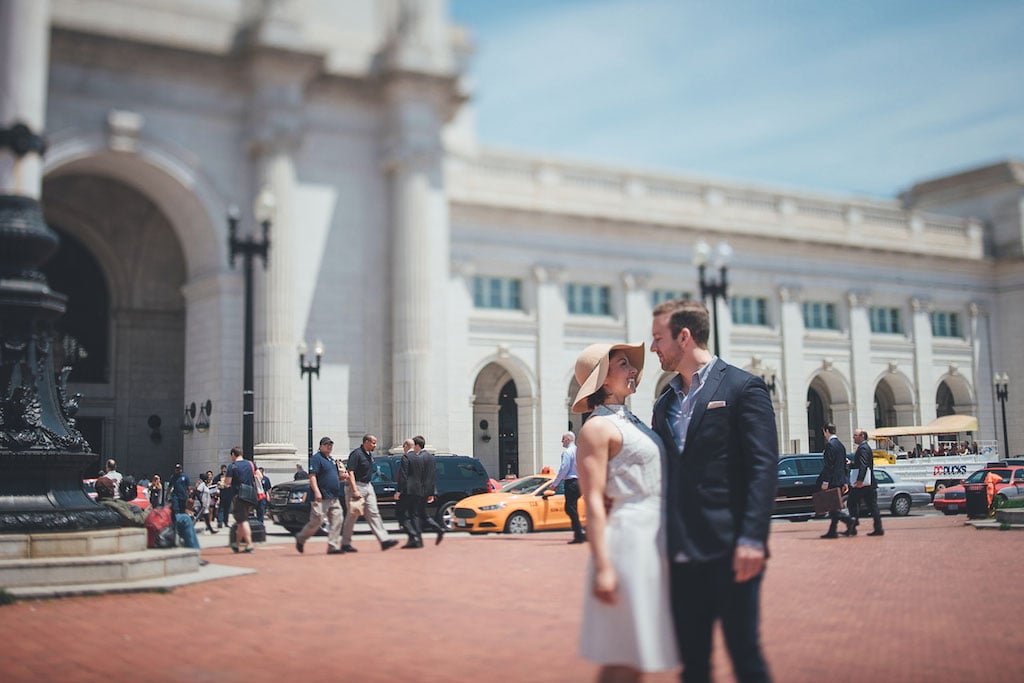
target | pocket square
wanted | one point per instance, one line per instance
(716, 404)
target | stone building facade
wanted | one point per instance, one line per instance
(453, 285)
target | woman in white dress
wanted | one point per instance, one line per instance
(627, 623)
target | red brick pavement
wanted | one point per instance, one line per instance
(506, 609)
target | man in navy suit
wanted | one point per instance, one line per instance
(718, 427)
(834, 476)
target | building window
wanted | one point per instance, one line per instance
(589, 299)
(945, 324)
(660, 295)
(819, 315)
(749, 310)
(886, 320)
(498, 292)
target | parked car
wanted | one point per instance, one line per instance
(521, 506)
(798, 477)
(458, 476)
(898, 496)
(953, 499)
(141, 498)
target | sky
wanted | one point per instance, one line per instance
(862, 97)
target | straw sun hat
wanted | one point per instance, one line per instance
(592, 369)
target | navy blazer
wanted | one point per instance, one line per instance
(833, 466)
(721, 487)
(864, 460)
(417, 474)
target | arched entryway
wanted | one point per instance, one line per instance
(508, 431)
(893, 401)
(123, 268)
(502, 415)
(816, 417)
(828, 400)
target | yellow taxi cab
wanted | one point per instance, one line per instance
(519, 507)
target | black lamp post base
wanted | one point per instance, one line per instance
(42, 492)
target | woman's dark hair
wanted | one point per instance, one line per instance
(597, 398)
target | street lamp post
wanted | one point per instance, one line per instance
(308, 370)
(1002, 382)
(713, 288)
(248, 248)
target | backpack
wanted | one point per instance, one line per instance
(160, 532)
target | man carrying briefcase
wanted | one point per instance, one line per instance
(833, 476)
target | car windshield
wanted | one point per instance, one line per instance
(979, 476)
(524, 485)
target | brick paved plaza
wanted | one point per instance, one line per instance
(504, 609)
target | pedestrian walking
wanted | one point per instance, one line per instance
(864, 489)
(567, 473)
(833, 476)
(325, 486)
(360, 475)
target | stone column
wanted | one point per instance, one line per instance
(276, 128)
(922, 328)
(420, 267)
(551, 370)
(860, 362)
(794, 382)
(24, 66)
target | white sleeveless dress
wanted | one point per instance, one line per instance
(637, 631)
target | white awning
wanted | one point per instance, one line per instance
(948, 424)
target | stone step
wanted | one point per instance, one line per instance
(117, 567)
(72, 543)
(1010, 516)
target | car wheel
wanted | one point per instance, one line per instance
(446, 515)
(901, 505)
(1000, 501)
(518, 523)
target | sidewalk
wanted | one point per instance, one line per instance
(507, 609)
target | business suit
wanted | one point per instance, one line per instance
(833, 475)
(864, 462)
(417, 482)
(720, 489)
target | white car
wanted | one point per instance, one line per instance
(899, 495)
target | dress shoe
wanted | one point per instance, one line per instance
(877, 532)
(440, 537)
(830, 534)
(582, 539)
(412, 544)
(348, 549)
(851, 530)
(335, 551)
(388, 544)
(300, 546)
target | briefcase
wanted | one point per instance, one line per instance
(829, 500)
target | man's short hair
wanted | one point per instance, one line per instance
(687, 313)
(236, 452)
(111, 464)
(830, 428)
(368, 437)
(407, 445)
(105, 488)
(569, 435)
(419, 441)
(326, 440)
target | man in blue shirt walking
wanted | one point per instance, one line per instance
(325, 486)
(567, 473)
